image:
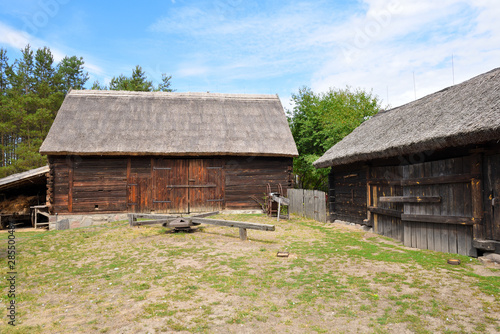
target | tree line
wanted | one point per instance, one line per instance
(32, 89)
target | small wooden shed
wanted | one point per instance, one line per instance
(426, 173)
(113, 151)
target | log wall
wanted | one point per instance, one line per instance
(245, 177)
(347, 194)
(145, 184)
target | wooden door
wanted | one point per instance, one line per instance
(187, 185)
(205, 185)
(492, 197)
(170, 186)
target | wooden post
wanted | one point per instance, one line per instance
(243, 233)
(131, 219)
(477, 198)
(368, 197)
(70, 184)
(375, 204)
(279, 209)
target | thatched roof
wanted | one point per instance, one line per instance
(157, 123)
(467, 113)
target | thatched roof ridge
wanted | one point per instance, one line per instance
(178, 124)
(464, 114)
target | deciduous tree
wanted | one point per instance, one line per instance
(318, 121)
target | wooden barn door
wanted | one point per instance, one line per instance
(205, 185)
(187, 185)
(170, 185)
(433, 205)
(492, 197)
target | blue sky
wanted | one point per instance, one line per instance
(397, 48)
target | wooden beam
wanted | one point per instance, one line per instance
(151, 216)
(383, 182)
(207, 214)
(385, 212)
(191, 186)
(151, 222)
(410, 199)
(461, 178)
(231, 223)
(477, 197)
(368, 198)
(282, 200)
(439, 219)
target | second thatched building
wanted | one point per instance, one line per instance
(426, 173)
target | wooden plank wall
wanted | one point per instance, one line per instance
(89, 185)
(434, 205)
(492, 197)
(456, 201)
(308, 203)
(384, 181)
(107, 184)
(347, 194)
(59, 188)
(245, 177)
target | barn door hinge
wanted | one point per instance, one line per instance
(162, 168)
(215, 200)
(162, 202)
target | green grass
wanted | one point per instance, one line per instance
(110, 277)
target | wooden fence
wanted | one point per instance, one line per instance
(308, 203)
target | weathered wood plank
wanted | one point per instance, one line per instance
(477, 198)
(231, 223)
(410, 199)
(443, 179)
(439, 219)
(386, 212)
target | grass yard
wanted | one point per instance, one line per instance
(337, 279)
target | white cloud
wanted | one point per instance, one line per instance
(19, 39)
(420, 37)
(373, 44)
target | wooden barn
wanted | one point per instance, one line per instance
(426, 173)
(113, 151)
